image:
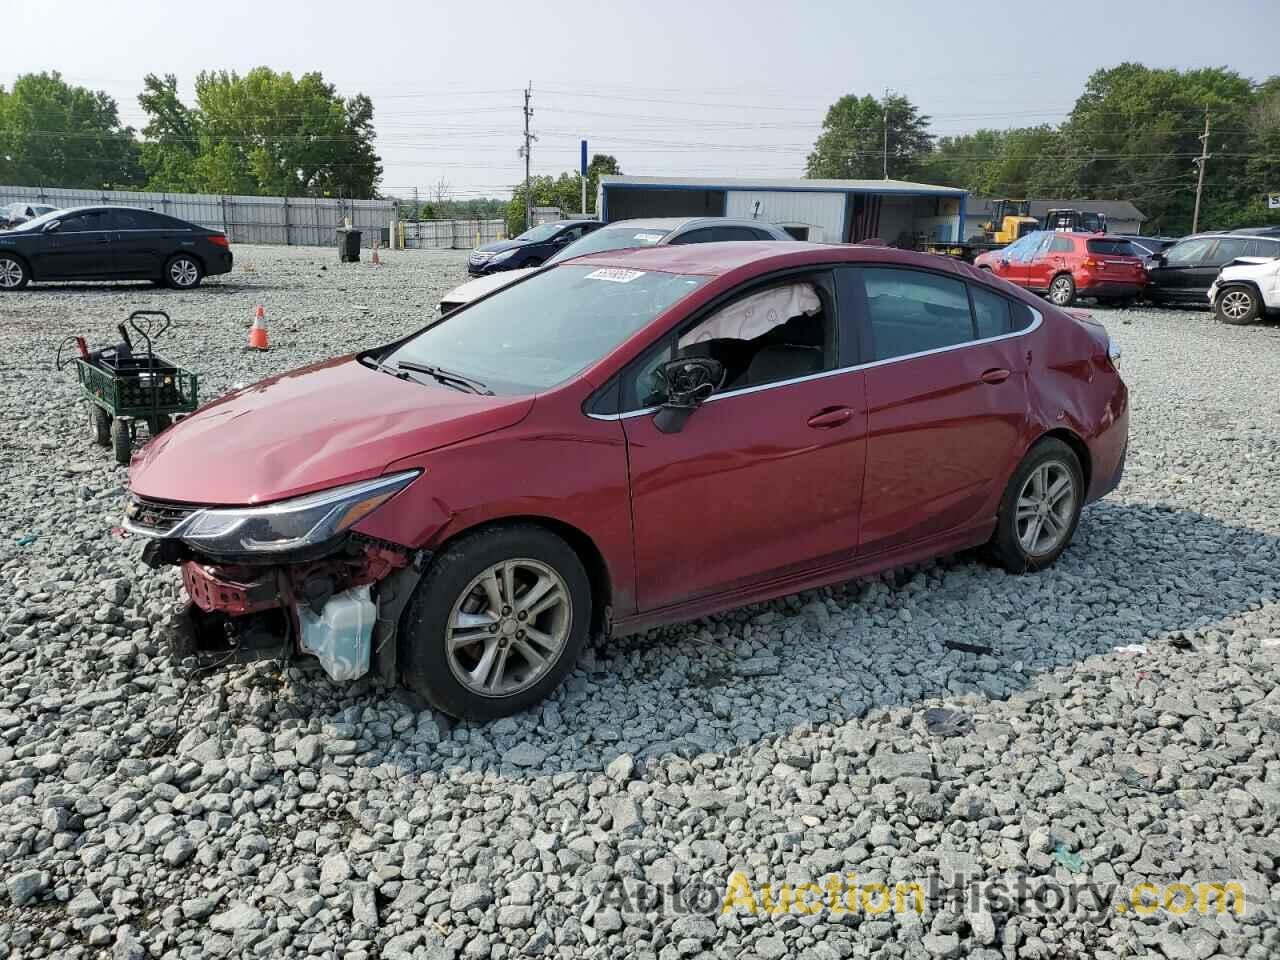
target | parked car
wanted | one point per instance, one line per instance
(1064, 266)
(111, 243)
(1246, 290)
(622, 235)
(628, 439)
(1184, 272)
(20, 212)
(530, 249)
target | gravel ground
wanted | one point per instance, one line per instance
(147, 812)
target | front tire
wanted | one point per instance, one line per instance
(1040, 508)
(1237, 306)
(496, 623)
(14, 274)
(1062, 291)
(183, 272)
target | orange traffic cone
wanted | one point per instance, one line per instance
(258, 332)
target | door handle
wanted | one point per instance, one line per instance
(833, 417)
(102, 240)
(995, 375)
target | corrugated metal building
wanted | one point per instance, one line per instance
(832, 211)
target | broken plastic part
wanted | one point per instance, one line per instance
(340, 636)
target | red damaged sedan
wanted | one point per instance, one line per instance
(624, 440)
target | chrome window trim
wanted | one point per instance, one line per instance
(1037, 320)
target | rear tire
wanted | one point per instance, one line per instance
(534, 262)
(183, 272)
(122, 441)
(1237, 306)
(14, 274)
(1062, 290)
(465, 644)
(1040, 509)
(99, 425)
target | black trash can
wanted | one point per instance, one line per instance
(348, 245)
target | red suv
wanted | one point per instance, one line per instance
(1064, 266)
(623, 440)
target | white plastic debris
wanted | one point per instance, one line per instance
(340, 637)
(1132, 648)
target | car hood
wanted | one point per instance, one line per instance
(498, 246)
(477, 288)
(1243, 268)
(317, 427)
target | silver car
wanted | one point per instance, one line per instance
(619, 236)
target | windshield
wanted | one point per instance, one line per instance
(539, 332)
(610, 238)
(37, 222)
(541, 232)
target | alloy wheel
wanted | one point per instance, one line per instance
(1236, 304)
(1060, 291)
(1046, 505)
(183, 272)
(11, 274)
(508, 627)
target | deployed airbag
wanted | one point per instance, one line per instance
(757, 314)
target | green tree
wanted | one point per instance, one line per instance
(852, 144)
(1135, 133)
(564, 191)
(62, 135)
(265, 133)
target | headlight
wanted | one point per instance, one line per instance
(290, 524)
(504, 255)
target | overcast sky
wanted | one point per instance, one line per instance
(699, 87)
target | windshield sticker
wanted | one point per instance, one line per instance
(615, 274)
(648, 237)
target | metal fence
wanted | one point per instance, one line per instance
(283, 220)
(451, 234)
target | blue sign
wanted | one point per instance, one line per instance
(584, 158)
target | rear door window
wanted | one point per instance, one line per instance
(1228, 249)
(725, 234)
(1062, 245)
(705, 235)
(911, 311)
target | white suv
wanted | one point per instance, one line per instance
(1245, 289)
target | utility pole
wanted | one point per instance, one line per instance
(528, 139)
(886, 133)
(1203, 162)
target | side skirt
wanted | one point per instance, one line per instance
(973, 535)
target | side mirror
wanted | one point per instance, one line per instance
(689, 382)
(51, 227)
(1158, 260)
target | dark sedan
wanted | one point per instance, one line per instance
(111, 243)
(531, 249)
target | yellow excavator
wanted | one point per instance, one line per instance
(1010, 221)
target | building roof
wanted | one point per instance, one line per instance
(782, 183)
(1114, 209)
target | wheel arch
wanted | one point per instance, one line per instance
(1078, 447)
(1249, 285)
(593, 561)
(23, 259)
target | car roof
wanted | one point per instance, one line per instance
(716, 259)
(671, 224)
